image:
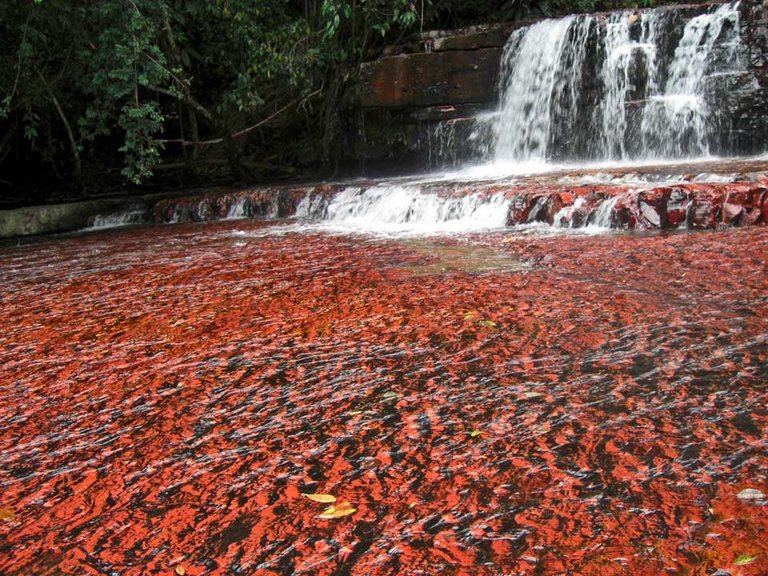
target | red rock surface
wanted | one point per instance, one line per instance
(428, 79)
(636, 206)
(168, 394)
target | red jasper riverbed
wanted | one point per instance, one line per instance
(494, 404)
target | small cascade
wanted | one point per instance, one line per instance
(630, 85)
(119, 219)
(238, 210)
(406, 208)
(676, 120)
(621, 79)
(454, 142)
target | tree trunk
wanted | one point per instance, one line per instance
(70, 135)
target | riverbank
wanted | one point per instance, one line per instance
(726, 191)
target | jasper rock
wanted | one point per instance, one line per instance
(704, 210)
(519, 208)
(677, 207)
(430, 79)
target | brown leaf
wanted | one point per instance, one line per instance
(180, 570)
(7, 515)
(322, 498)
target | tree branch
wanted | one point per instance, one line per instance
(241, 132)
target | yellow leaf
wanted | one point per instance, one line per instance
(180, 570)
(744, 560)
(322, 498)
(355, 412)
(487, 323)
(338, 511)
(7, 515)
(475, 433)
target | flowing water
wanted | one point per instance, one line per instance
(555, 73)
(484, 391)
(493, 403)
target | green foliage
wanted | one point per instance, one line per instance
(131, 84)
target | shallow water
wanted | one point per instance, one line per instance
(584, 405)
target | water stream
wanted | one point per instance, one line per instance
(480, 397)
(570, 87)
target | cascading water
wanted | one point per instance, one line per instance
(622, 86)
(614, 88)
(541, 72)
(677, 121)
(405, 208)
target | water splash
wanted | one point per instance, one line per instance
(118, 219)
(400, 208)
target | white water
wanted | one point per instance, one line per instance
(543, 89)
(541, 72)
(676, 121)
(556, 114)
(238, 210)
(117, 220)
(405, 209)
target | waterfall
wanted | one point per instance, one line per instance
(618, 87)
(676, 120)
(541, 73)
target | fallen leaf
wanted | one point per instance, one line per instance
(487, 323)
(532, 395)
(470, 316)
(322, 498)
(355, 412)
(744, 559)
(475, 433)
(389, 395)
(338, 511)
(6, 514)
(180, 570)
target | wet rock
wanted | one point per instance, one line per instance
(489, 37)
(677, 207)
(704, 211)
(429, 79)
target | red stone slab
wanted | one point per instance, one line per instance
(167, 394)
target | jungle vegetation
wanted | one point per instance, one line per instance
(112, 95)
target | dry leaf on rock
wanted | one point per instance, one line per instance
(322, 498)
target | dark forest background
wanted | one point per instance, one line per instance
(121, 95)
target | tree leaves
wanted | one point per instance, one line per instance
(7, 515)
